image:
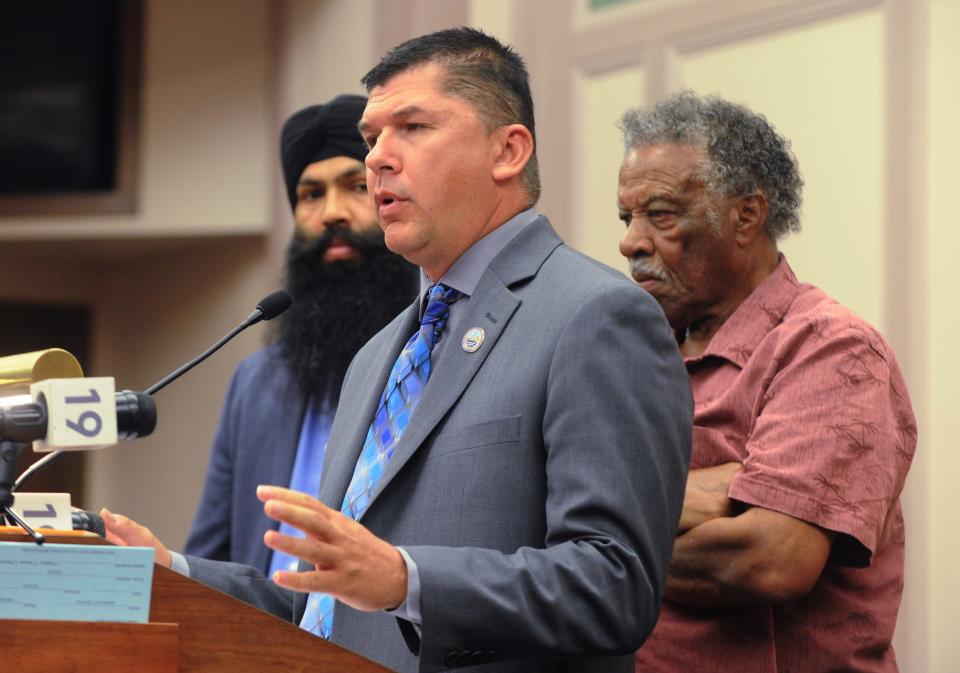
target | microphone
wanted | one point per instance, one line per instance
(268, 308)
(137, 413)
(136, 417)
(83, 520)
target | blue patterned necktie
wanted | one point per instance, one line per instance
(403, 391)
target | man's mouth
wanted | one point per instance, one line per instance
(339, 249)
(387, 203)
(647, 280)
(388, 208)
(645, 274)
(385, 197)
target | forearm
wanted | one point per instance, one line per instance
(758, 557)
(709, 568)
(706, 496)
(243, 583)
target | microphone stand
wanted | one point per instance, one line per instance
(9, 453)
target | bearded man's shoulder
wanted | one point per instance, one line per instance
(266, 364)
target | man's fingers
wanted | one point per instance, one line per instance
(111, 525)
(304, 582)
(120, 529)
(309, 520)
(312, 551)
(125, 532)
(266, 492)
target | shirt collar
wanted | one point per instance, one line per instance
(465, 273)
(754, 319)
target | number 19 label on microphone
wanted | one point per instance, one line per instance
(81, 413)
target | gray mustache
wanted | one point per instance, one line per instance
(640, 265)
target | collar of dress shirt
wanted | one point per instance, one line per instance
(466, 271)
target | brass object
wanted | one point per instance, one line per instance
(18, 371)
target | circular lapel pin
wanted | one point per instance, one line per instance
(473, 339)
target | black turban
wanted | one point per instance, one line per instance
(320, 132)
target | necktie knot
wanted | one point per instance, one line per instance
(439, 299)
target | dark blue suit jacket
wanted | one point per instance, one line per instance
(256, 443)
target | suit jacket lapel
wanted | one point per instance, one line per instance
(491, 307)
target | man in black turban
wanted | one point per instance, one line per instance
(346, 286)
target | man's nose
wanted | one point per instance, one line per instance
(335, 213)
(636, 240)
(382, 157)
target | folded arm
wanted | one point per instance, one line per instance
(760, 556)
(706, 495)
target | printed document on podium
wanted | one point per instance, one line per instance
(75, 582)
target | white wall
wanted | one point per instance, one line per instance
(941, 426)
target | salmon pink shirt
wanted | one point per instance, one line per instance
(810, 399)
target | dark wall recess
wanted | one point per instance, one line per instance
(69, 80)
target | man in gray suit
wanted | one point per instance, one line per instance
(505, 492)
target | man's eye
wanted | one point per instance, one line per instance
(370, 141)
(659, 216)
(311, 195)
(625, 218)
(414, 126)
(360, 187)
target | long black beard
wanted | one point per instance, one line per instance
(338, 306)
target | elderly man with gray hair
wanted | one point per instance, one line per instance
(789, 553)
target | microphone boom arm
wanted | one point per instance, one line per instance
(179, 371)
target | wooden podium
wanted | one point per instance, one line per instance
(192, 628)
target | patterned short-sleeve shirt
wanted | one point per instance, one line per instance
(809, 397)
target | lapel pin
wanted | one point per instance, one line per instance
(473, 339)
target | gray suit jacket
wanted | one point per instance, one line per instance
(539, 483)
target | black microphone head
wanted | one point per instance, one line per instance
(23, 422)
(83, 520)
(274, 304)
(136, 414)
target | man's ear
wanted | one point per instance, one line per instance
(751, 217)
(514, 148)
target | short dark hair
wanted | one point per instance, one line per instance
(480, 70)
(745, 151)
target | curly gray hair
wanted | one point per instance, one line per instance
(745, 152)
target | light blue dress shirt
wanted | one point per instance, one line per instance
(307, 470)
